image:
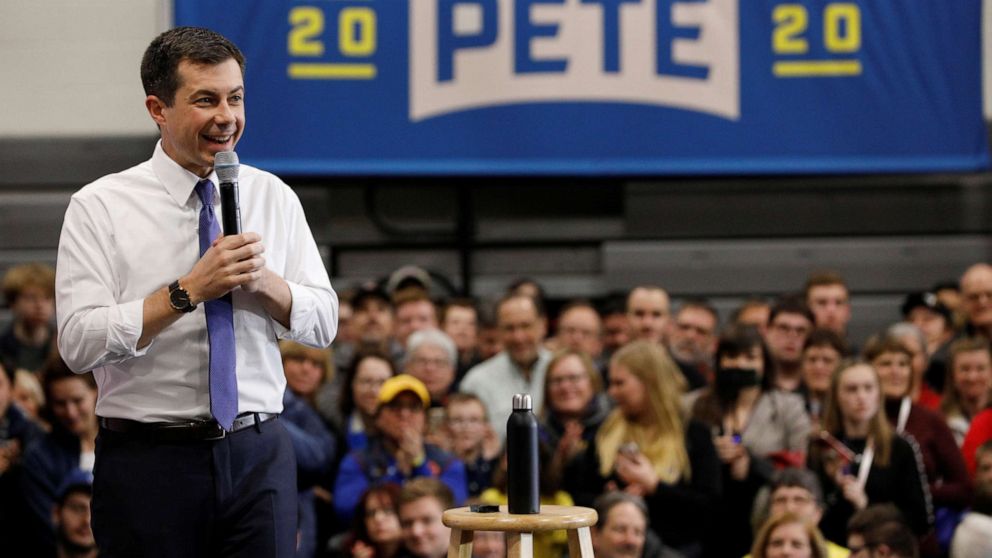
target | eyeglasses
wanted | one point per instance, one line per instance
(398, 406)
(460, 422)
(568, 378)
(435, 362)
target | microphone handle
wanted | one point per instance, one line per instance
(230, 208)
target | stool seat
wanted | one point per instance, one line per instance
(520, 527)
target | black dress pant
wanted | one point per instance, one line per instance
(234, 497)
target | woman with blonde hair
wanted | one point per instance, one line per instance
(789, 536)
(861, 461)
(646, 447)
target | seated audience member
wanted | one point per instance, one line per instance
(71, 517)
(372, 326)
(947, 475)
(616, 329)
(375, 531)
(645, 446)
(753, 312)
(936, 323)
(621, 529)
(949, 294)
(788, 536)
(488, 544)
(797, 492)
(360, 398)
(692, 338)
(574, 403)
(976, 296)
(17, 432)
(422, 502)
(308, 371)
(880, 532)
(430, 357)
(789, 323)
(828, 298)
(490, 340)
(397, 452)
(860, 460)
(525, 286)
(969, 387)
(414, 311)
(460, 320)
(979, 436)
(519, 368)
(822, 352)
(30, 293)
(983, 462)
(28, 395)
(648, 312)
(912, 338)
(472, 440)
(313, 444)
(753, 431)
(70, 445)
(973, 538)
(581, 329)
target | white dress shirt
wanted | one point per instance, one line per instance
(129, 234)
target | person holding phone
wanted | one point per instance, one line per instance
(666, 459)
(874, 464)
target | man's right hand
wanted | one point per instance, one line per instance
(231, 261)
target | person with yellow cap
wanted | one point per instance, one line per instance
(396, 451)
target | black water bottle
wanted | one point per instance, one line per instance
(522, 479)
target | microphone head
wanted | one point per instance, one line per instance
(227, 166)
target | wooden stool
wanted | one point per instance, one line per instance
(520, 529)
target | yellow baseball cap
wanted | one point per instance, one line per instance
(400, 383)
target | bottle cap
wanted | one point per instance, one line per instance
(522, 402)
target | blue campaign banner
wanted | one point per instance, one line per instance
(597, 87)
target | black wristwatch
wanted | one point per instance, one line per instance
(179, 298)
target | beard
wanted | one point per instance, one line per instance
(71, 547)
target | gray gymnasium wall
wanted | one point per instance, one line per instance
(68, 120)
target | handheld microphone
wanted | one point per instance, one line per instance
(227, 166)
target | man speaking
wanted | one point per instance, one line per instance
(180, 323)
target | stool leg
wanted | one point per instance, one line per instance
(580, 543)
(520, 545)
(460, 544)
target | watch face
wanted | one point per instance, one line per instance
(180, 300)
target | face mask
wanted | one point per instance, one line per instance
(730, 382)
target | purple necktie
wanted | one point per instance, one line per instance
(220, 324)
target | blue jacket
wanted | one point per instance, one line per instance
(375, 465)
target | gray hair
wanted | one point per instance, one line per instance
(906, 329)
(610, 500)
(434, 337)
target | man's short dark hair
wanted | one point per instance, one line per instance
(794, 477)
(823, 337)
(884, 524)
(160, 64)
(790, 305)
(700, 303)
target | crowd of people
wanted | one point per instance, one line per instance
(771, 433)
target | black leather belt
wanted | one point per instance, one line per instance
(184, 431)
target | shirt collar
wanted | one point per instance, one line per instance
(178, 181)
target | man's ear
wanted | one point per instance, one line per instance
(156, 108)
(883, 551)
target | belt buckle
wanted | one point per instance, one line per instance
(219, 432)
